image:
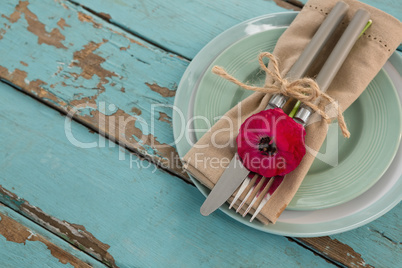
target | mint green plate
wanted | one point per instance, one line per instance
(345, 168)
(373, 203)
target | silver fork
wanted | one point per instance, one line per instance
(263, 184)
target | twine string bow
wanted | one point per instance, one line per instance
(305, 89)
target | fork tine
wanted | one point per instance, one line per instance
(275, 184)
(261, 205)
(243, 187)
(249, 192)
(267, 183)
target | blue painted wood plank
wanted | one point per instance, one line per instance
(83, 83)
(25, 244)
(59, 53)
(181, 26)
(146, 216)
(379, 242)
(184, 27)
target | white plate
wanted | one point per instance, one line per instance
(379, 199)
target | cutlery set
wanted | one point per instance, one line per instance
(236, 174)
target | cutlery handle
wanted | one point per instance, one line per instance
(311, 51)
(336, 59)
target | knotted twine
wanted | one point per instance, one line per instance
(304, 89)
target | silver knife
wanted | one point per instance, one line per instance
(235, 173)
(231, 178)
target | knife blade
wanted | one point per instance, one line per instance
(236, 173)
(230, 180)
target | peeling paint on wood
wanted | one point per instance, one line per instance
(62, 23)
(73, 233)
(105, 16)
(58, 100)
(181, 26)
(136, 111)
(296, 3)
(125, 48)
(165, 118)
(90, 63)
(14, 17)
(336, 251)
(34, 87)
(188, 31)
(15, 232)
(142, 212)
(88, 18)
(287, 5)
(52, 38)
(2, 32)
(94, 71)
(132, 40)
(133, 138)
(163, 91)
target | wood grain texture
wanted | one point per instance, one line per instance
(117, 83)
(180, 26)
(73, 233)
(24, 244)
(90, 64)
(184, 27)
(146, 216)
(377, 244)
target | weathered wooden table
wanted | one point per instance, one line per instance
(69, 196)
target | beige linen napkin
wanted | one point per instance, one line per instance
(365, 60)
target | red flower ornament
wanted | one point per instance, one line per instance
(271, 143)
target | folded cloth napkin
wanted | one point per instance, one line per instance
(364, 61)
